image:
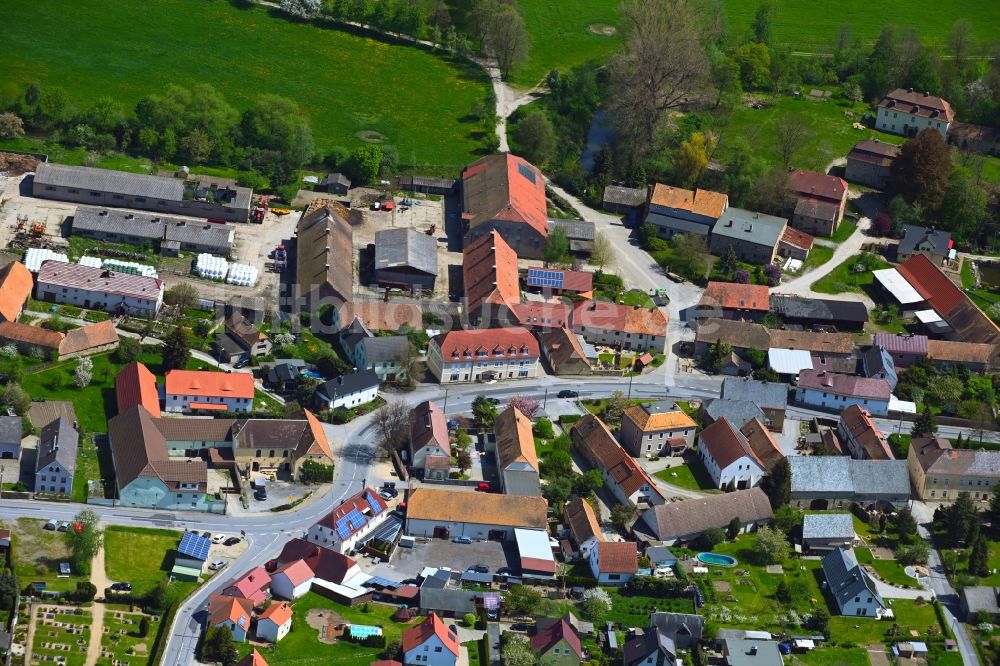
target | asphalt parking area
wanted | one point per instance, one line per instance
(408, 562)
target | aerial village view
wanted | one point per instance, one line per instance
(499, 333)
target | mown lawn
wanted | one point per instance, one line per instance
(691, 475)
(123, 639)
(141, 556)
(818, 255)
(66, 643)
(797, 24)
(844, 231)
(842, 278)
(345, 84)
(832, 657)
(890, 571)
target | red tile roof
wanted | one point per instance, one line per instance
(796, 238)
(428, 427)
(279, 613)
(549, 637)
(971, 324)
(253, 586)
(36, 336)
(597, 443)
(223, 608)
(541, 314)
(252, 659)
(582, 520)
(513, 342)
(699, 202)
(205, 383)
(762, 443)
(296, 571)
(726, 444)
(431, 626)
(489, 271)
(846, 385)
(94, 336)
(918, 104)
(617, 557)
(734, 296)
(15, 288)
(324, 563)
(626, 318)
(817, 185)
(578, 281)
(858, 423)
(367, 503)
(505, 187)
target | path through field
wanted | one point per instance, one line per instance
(99, 579)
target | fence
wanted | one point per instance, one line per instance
(211, 507)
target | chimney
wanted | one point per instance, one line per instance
(753, 650)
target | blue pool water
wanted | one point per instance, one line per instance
(311, 374)
(717, 560)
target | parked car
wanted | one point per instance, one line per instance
(121, 587)
(63, 526)
(219, 538)
(260, 494)
(480, 568)
(462, 539)
(206, 535)
(242, 363)
(567, 393)
(231, 541)
(484, 487)
(216, 565)
(504, 571)
(52, 524)
(384, 495)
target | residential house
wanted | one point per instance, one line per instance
(731, 300)
(208, 391)
(673, 210)
(852, 589)
(336, 183)
(55, 457)
(254, 586)
(564, 351)
(935, 244)
(292, 580)
(613, 562)
(870, 163)
(16, 284)
(275, 622)
(31, 339)
(811, 312)
(754, 237)
(624, 200)
(739, 335)
(507, 194)
(738, 412)
(333, 575)
(540, 316)
(904, 350)
(88, 340)
(99, 289)
(231, 612)
(241, 341)
(877, 363)
(685, 629)
(864, 440)
(151, 230)
(824, 345)
(820, 200)
(324, 262)
(979, 600)
(517, 462)
(627, 327)
(387, 355)
(350, 523)
(762, 443)
(727, 456)
(430, 643)
(685, 520)
(584, 528)
(193, 196)
(10, 437)
(977, 357)
(347, 391)
(283, 376)
(145, 475)
(907, 112)
(771, 397)
(557, 645)
(276, 446)
(627, 481)
(836, 391)
(750, 652)
(826, 531)
(484, 354)
(556, 282)
(795, 244)
(431, 512)
(820, 483)
(657, 429)
(918, 285)
(654, 647)
(405, 258)
(252, 659)
(430, 446)
(939, 472)
(136, 385)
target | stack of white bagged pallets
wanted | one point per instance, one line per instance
(34, 258)
(211, 267)
(242, 275)
(92, 262)
(129, 267)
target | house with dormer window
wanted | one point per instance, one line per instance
(483, 355)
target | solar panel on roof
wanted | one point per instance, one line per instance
(381, 582)
(194, 546)
(373, 503)
(350, 523)
(526, 172)
(539, 277)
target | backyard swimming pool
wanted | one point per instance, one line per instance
(717, 560)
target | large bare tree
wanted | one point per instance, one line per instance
(793, 133)
(662, 66)
(392, 423)
(507, 38)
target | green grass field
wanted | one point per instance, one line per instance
(141, 556)
(344, 83)
(832, 657)
(691, 475)
(37, 554)
(565, 34)
(890, 571)
(818, 255)
(842, 278)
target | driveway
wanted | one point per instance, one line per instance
(802, 285)
(408, 562)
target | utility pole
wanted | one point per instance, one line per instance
(445, 409)
(545, 398)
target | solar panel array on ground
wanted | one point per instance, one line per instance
(193, 545)
(538, 277)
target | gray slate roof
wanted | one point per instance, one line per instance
(120, 222)
(575, 229)
(739, 412)
(624, 196)
(10, 429)
(818, 309)
(982, 598)
(348, 384)
(219, 236)
(693, 516)
(827, 526)
(878, 360)
(914, 235)
(382, 349)
(58, 442)
(678, 224)
(406, 248)
(746, 225)
(771, 395)
(679, 624)
(750, 652)
(843, 475)
(106, 180)
(846, 579)
(447, 600)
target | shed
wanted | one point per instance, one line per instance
(405, 258)
(335, 183)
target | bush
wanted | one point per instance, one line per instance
(543, 429)
(569, 419)
(469, 619)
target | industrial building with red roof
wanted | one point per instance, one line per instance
(507, 194)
